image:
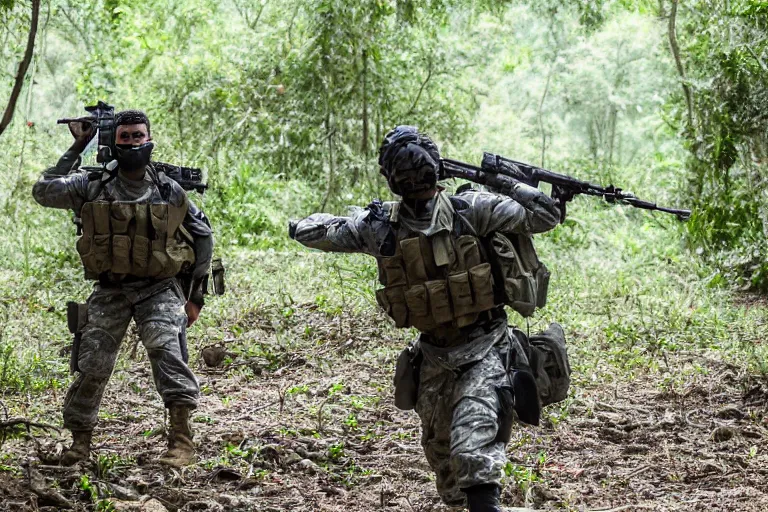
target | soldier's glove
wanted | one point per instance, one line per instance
(306, 230)
(561, 196)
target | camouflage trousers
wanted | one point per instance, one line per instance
(158, 310)
(459, 408)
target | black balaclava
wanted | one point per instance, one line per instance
(132, 158)
(409, 160)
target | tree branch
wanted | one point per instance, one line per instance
(23, 66)
(679, 63)
(27, 423)
(421, 89)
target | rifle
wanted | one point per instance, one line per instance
(190, 178)
(102, 116)
(501, 175)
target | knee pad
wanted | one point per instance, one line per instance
(98, 352)
(158, 335)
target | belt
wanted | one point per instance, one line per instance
(107, 280)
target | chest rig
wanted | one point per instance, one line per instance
(142, 238)
(435, 278)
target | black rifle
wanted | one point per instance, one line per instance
(190, 178)
(102, 117)
(501, 175)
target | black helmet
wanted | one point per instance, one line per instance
(406, 152)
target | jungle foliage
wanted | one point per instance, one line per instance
(284, 103)
(722, 114)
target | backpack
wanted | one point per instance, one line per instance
(523, 279)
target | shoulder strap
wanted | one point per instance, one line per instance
(392, 208)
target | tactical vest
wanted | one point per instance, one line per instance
(136, 239)
(436, 281)
(444, 280)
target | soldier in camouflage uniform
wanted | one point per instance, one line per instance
(467, 371)
(148, 249)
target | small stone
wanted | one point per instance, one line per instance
(730, 412)
(123, 493)
(309, 466)
(722, 434)
(153, 505)
(632, 449)
(214, 356)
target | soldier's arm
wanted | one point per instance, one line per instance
(198, 226)
(528, 211)
(60, 187)
(366, 230)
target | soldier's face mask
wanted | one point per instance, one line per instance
(413, 171)
(132, 158)
(413, 182)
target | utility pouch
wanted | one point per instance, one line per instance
(406, 378)
(121, 254)
(439, 303)
(527, 405)
(392, 301)
(482, 286)
(516, 267)
(394, 273)
(506, 413)
(76, 319)
(461, 292)
(550, 364)
(542, 286)
(414, 260)
(218, 272)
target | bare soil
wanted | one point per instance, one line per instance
(298, 416)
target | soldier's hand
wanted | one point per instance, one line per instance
(193, 312)
(306, 231)
(82, 130)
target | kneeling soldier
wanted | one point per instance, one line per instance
(467, 374)
(148, 249)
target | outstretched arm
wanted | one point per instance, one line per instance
(366, 230)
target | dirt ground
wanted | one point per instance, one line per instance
(299, 416)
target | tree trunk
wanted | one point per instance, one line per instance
(331, 174)
(679, 63)
(22, 71)
(364, 141)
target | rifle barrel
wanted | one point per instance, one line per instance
(67, 120)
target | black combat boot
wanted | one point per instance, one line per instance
(181, 449)
(483, 498)
(80, 449)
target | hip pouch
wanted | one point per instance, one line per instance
(77, 316)
(406, 378)
(549, 361)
